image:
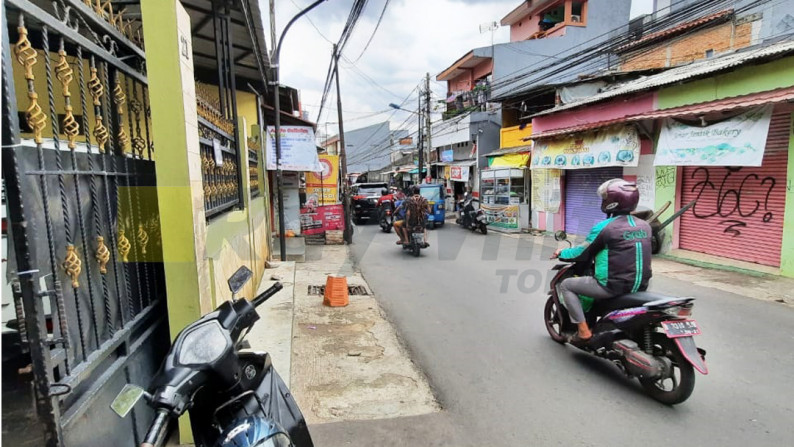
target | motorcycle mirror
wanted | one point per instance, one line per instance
(560, 236)
(126, 399)
(240, 277)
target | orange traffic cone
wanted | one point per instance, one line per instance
(336, 291)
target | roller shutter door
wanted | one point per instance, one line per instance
(582, 204)
(739, 210)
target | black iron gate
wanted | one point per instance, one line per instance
(78, 167)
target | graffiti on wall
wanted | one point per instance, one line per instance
(665, 176)
(735, 205)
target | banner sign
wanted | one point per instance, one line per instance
(738, 141)
(447, 155)
(503, 217)
(612, 146)
(459, 173)
(298, 149)
(546, 191)
(321, 187)
(320, 219)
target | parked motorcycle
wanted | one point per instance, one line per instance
(235, 398)
(647, 335)
(471, 217)
(386, 215)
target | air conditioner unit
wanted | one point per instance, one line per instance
(575, 18)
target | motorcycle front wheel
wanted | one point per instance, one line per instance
(483, 229)
(679, 384)
(555, 321)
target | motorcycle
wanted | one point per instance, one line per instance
(386, 216)
(470, 217)
(647, 335)
(416, 239)
(235, 398)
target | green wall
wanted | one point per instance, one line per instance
(752, 79)
(743, 81)
(787, 250)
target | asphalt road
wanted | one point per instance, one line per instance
(471, 316)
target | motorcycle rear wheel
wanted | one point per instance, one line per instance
(679, 386)
(415, 249)
(483, 229)
(554, 319)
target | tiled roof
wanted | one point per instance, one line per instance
(677, 29)
(682, 73)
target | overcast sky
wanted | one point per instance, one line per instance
(415, 37)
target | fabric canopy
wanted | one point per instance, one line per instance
(519, 160)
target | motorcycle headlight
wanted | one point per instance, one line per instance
(204, 343)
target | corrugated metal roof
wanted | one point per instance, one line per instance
(677, 29)
(721, 105)
(682, 73)
(509, 150)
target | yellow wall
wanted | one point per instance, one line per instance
(513, 136)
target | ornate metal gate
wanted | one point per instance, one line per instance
(78, 167)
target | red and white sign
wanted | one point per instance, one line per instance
(459, 173)
(322, 218)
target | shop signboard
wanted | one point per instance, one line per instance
(318, 220)
(459, 173)
(738, 141)
(447, 155)
(612, 146)
(298, 149)
(321, 187)
(502, 217)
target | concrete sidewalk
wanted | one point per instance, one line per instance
(344, 363)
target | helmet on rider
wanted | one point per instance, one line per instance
(384, 192)
(414, 190)
(618, 196)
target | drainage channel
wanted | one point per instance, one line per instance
(351, 290)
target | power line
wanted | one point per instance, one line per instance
(377, 25)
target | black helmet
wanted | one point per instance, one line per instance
(618, 196)
(384, 192)
(414, 190)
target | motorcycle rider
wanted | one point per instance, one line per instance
(399, 222)
(417, 211)
(621, 248)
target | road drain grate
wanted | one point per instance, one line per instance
(351, 290)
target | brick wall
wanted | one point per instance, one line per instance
(690, 47)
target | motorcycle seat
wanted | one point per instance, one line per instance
(636, 299)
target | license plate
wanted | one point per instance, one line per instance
(680, 328)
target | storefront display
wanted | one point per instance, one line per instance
(504, 198)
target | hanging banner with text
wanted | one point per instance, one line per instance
(546, 191)
(738, 141)
(612, 146)
(321, 187)
(298, 149)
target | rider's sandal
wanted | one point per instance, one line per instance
(578, 341)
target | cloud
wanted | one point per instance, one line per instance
(415, 37)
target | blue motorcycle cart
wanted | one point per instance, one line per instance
(434, 193)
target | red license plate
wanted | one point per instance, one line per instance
(680, 328)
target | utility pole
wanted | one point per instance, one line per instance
(348, 233)
(273, 28)
(419, 144)
(277, 127)
(427, 120)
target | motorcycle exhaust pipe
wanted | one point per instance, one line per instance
(637, 362)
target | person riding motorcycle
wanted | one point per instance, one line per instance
(417, 211)
(621, 248)
(399, 222)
